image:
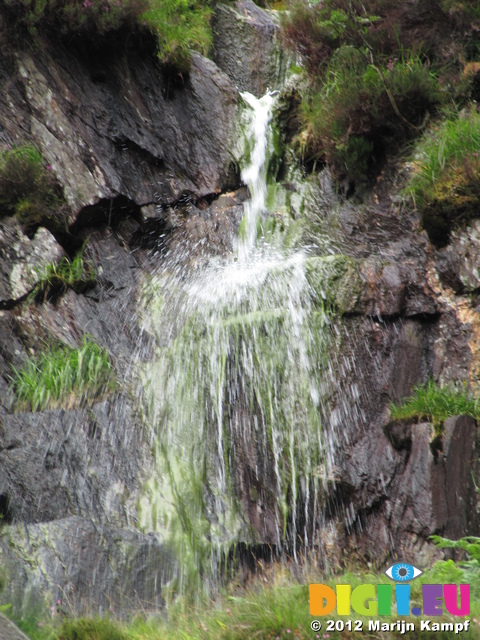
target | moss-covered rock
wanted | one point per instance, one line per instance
(335, 282)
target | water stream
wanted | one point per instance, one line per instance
(236, 393)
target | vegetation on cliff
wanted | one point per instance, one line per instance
(435, 404)
(55, 278)
(29, 189)
(178, 25)
(278, 610)
(382, 77)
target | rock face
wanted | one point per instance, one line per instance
(84, 566)
(144, 160)
(247, 48)
(118, 126)
(9, 630)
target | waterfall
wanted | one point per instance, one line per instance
(254, 174)
(235, 395)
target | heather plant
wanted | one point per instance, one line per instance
(28, 188)
(371, 86)
(362, 108)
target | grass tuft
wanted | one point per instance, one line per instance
(446, 175)
(63, 376)
(435, 404)
(55, 278)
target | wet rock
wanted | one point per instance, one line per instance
(58, 463)
(10, 631)
(138, 133)
(415, 491)
(246, 47)
(458, 264)
(335, 281)
(397, 288)
(22, 258)
(76, 566)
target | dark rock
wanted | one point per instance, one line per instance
(83, 565)
(126, 136)
(246, 47)
(58, 463)
(458, 263)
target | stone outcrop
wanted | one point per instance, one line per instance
(246, 47)
(83, 565)
(119, 126)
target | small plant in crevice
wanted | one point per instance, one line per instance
(29, 190)
(435, 404)
(63, 377)
(445, 181)
(55, 278)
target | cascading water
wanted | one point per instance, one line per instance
(236, 392)
(255, 173)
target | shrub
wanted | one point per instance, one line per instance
(56, 278)
(28, 189)
(61, 374)
(87, 18)
(435, 404)
(362, 109)
(179, 25)
(446, 170)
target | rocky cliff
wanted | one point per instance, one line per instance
(144, 158)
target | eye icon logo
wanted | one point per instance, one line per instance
(403, 572)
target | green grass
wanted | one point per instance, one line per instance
(278, 609)
(446, 175)
(435, 404)
(179, 26)
(62, 376)
(55, 278)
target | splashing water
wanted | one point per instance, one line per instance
(236, 394)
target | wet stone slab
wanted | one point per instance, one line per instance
(8, 631)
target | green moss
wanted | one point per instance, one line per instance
(335, 281)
